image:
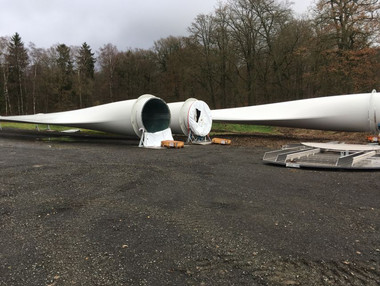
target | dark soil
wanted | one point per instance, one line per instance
(88, 210)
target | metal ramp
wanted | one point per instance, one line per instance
(326, 155)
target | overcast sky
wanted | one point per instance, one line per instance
(124, 23)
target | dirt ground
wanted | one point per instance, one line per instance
(89, 210)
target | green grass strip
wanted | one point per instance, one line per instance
(242, 128)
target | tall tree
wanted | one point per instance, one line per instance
(346, 31)
(255, 26)
(4, 76)
(349, 24)
(170, 58)
(244, 24)
(272, 47)
(85, 68)
(137, 72)
(202, 30)
(36, 56)
(108, 59)
(17, 59)
(65, 71)
(293, 47)
(49, 99)
(225, 58)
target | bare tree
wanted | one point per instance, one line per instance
(349, 24)
(202, 30)
(36, 56)
(4, 68)
(108, 59)
(245, 24)
(171, 61)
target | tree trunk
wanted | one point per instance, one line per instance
(8, 106)
(34, 89)
(21, 99)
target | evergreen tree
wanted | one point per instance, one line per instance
(86, 69)
(65, 76)
(17, 60)
(86, 61)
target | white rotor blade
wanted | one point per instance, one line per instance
(353, 112)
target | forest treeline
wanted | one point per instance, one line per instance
(246, 52)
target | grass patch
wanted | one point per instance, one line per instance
(217, 128)
(242, 128)
(44, 127)
(32, 126)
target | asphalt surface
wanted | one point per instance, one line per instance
(101, 211)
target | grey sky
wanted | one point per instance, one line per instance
(124, 23)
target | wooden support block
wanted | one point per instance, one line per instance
(172, 144)
(221, 141)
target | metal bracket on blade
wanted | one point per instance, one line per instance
(195, 139)
(141, 143)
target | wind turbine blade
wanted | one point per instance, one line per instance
(190, 115)
(353, 112)
(123, 117)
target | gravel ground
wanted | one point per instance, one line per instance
(100, 211)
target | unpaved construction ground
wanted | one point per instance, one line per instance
(101, 211)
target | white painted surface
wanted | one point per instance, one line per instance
(122, 117)
(192, 114)
(353, 112)
(154, 139)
